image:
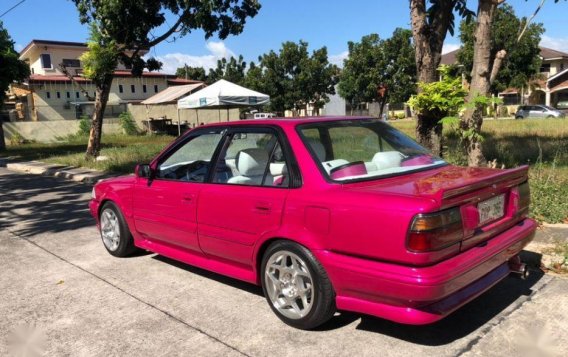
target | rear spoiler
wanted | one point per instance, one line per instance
(513, 177)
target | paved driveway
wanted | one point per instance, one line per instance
(62, 293)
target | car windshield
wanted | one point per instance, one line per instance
(364, 149)
(549, 108)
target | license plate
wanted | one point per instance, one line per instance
(491, 209)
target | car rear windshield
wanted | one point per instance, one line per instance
(354, 150)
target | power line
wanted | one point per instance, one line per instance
(12, 8)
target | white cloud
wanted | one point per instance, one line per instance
(559, 44)
(338, 58)
(449, 47)
(172, 61)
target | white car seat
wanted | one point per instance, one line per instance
(387, 159)
(251, 164)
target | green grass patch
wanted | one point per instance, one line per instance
(123, 152)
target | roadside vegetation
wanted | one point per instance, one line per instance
(542, 144)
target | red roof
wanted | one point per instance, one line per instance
(180, 81)
(40, 78)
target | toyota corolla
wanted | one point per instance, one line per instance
(325, 214)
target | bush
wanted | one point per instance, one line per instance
(17, 139)
(84, 126)
(127, 123)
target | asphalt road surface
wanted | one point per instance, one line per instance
(62, 294)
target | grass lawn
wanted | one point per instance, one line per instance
(543, 144)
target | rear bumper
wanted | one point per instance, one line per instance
(422, 295)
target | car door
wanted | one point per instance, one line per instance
(246, 196)
(165, 206)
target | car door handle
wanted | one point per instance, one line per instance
(188, 197)
(262, 207)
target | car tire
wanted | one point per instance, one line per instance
(115, 234)
(550, 117)
(519, 117)
(296, 285)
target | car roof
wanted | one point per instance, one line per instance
(279, 121)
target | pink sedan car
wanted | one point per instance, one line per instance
(325, 214)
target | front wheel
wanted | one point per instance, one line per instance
(114, 231)
(296, 286)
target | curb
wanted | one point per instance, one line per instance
(75, 174)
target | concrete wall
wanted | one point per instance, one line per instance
(50, 131)
(194, 117)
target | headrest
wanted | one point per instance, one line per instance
(318, 148)
(387, 159)
(252, 162)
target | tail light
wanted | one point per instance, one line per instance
(522, 194)
(435, 231)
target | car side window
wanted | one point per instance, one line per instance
(191, 161)
(254, 159)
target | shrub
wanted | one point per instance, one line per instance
(127, 123)
(17, 139)
(84, 126)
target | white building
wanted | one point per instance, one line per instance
(50, 95)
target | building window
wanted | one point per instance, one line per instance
(120, 88)
(68, 62)
(545, 68)
(561, 66)
(58, 95)
(132, 88)
(77, 95)
(155, 88)
(68, 95)
(144, 89)
(45, 60)
(47, 95)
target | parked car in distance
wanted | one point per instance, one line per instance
(263, 115)
(538, 111)
(325, 214)
(562, 106)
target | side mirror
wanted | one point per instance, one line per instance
(143, 171)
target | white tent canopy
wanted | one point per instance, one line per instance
(223, 94)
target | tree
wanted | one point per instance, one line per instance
(195, 73)
(120, 30)
(232, 70)
(429, 28)
(293, 78)
(11, 69)
(522, 61)
(444, 98)
(372, 62)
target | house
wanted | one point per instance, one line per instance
(550, 88)
(49, 94)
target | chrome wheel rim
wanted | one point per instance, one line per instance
(110, 229)
(289, 284)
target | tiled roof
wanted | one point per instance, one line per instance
(548, 53)
(53, 43)
(39, 78)
(450, 58)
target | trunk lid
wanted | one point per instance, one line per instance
(479, 192)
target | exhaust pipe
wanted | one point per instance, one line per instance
(518, 267)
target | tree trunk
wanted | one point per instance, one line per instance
(2, 141)
(429, 132)
(428, 41)
(101, 99)
(480, 81)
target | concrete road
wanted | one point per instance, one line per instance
(62, 294)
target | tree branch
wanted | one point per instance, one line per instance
(167, 34)
(497, 65)
(63, 69)
(530, 20)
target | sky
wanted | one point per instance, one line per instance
(330, 23)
